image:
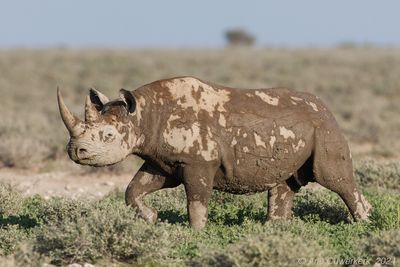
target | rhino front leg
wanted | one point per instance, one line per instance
(146, 181)
(198, 181)
(280, 202)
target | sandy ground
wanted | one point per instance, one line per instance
(68, 184)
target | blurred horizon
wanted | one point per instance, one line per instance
(177, 23)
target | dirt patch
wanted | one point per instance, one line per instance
(66, 184)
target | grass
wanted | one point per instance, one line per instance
(64, 231)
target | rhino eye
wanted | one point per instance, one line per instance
(109, 135)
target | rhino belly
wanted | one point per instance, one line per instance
(257, 171)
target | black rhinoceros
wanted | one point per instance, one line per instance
(206, 136)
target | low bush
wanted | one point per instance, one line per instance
(10, 200)
(372, 174)
(272, 249)
(10, 236)
(75, 231)
(382, 247)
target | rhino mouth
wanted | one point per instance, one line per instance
(93, 161)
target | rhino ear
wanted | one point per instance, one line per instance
(98, 99)
(129, 99)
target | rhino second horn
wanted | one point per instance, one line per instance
(70, 120)
(91, 113)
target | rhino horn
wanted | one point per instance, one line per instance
(95, 102)
(70, 120)
(91, 113)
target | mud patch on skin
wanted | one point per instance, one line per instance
(203, 183)
(274, 101)
(222, 120)
(141, 103)
(300, 144)
(259, 141)
(313, 105)
(234, 142)
(198, 214)
(296, 98)
(183, 139)
(249, 95)
(146, 179)
(272, 203)
(203, 96)
(272, 140)
(286, 133)
(363, 208)
(145, 212)
(209, 151)
(309, 103)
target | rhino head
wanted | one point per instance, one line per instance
(108, 133)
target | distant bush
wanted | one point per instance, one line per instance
(239, 37)
(23, 152)
(22, 145)
(373, 174)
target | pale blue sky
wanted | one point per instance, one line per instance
(179, 23)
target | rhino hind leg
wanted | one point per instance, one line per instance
(333, 169)
(280, 202)
(147, 180)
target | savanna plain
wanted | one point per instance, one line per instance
(53, 211)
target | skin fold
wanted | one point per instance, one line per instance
(207, 136)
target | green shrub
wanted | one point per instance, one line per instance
(386, 210)
(320, 205)
(10, 236)
(104, 229)
(10, 200)
(276, 249)
(58, 210)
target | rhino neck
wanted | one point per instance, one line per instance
(146, 123)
